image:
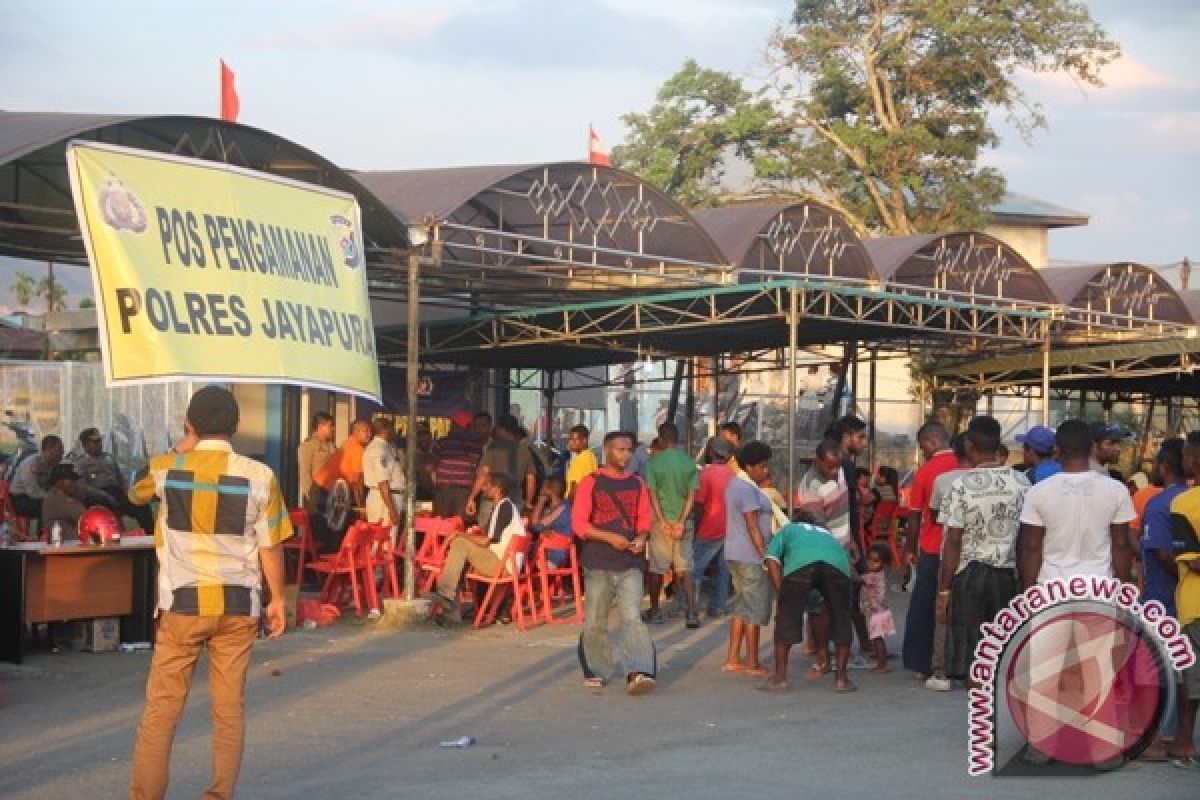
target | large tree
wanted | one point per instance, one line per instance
(881, 107)
(23, 288)
(700, 116)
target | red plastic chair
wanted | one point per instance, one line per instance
(883, 525)
(8, 513)
(347, 572)
(303, 544)
(382, 555)
(553, 580)
(431, 553)
(513, 578)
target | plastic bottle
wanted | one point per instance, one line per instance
(461, 743)
(56, 535)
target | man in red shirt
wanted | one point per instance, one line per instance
(925, 549)
(611, 513)
(709, 545)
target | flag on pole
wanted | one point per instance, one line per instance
(230, 105)
(597, 155)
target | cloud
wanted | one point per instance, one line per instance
(1116, 212)
(1122, 75)
(1185, 124)
(384, 30)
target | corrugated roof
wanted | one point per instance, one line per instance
(795, 231)
(37, 219)
(911, 261)
(414, 193)
(1070, 287)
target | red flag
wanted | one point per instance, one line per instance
(596, 153)
(230, 105)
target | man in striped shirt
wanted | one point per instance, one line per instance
(220, 515)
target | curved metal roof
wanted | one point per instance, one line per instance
(517, 233)
(1121, 289)
(37, 216)
(804, 238)
(972, 263)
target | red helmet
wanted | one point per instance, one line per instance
(99, 525)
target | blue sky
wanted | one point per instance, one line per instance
(419, 83)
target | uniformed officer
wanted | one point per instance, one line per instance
(384, 477)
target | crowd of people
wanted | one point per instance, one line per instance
(55, 488)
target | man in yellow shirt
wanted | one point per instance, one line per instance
(583, 460)
(219, 534)
(1185, 526)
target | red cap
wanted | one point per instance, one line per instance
(461, 419)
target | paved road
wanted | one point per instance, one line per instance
(358, 711)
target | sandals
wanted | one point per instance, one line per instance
(593, 683)
(1191, 762)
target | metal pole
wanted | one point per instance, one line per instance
(793, 320)
(1046, 379)
(689, 413)
(872, 378)
(410, 548)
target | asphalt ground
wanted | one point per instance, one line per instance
(358, 711)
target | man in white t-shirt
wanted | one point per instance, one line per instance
(1075, 522)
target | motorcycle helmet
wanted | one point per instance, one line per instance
(98, 525)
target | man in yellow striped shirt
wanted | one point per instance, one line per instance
(221, 516)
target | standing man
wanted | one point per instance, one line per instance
(851, 432)
(1075, 522)
(456, 457)
(583, 460)
(29, 484)
(103, 484)
(611, 514)
(748, 525)
(709, 545)
(1106, 446)
(1160, 573)
(1185, 519)
(504, 455)
(673, 480)
(221, 522)
(311, 456)
(384, 477)
(924, 548)
(978, 571)
(1038, 453)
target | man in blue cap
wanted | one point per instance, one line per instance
(1039, 453)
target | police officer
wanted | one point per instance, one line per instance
(384, 477)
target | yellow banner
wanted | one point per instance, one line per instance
(209, 271)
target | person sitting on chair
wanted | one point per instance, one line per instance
(103, 484)
(63, 502)
(481, 551)
(29, 484)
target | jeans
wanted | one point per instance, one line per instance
(229, 641)
(703, 553)
(919, 624)
(602, 590)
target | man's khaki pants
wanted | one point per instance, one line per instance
(229, 641)
(462, 552)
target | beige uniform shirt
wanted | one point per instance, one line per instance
(381, 463)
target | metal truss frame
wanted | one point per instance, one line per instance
(618, 326)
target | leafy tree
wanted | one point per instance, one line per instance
(698, 118)
(86, 302)
(24, 287)
(879, 108)
(52, 292)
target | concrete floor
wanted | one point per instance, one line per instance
(357, 712)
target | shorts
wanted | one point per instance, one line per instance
(751, 593)
(833, 586)
(665, 553)
(1191, 675)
